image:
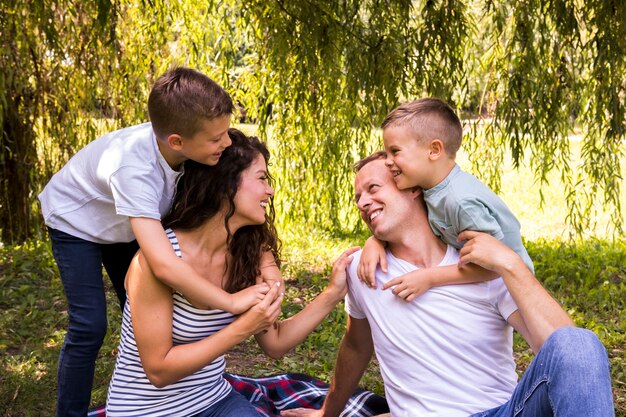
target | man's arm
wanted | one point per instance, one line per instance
(539, 313)
(177, 274)
(354, 355)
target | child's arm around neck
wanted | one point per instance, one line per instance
(177, 274)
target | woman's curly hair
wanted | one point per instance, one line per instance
(205, 190)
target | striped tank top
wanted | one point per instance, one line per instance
(130, 391)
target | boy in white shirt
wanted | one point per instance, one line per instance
(421, 140)
(109, 199)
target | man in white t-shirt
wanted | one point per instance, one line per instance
(449, 352)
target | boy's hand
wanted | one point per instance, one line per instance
(373, 254)
(270, 282)
(243, 300)
(410, 285)
(264, 313)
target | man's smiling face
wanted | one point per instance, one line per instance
(381, 205)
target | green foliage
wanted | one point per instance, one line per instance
(589, 280)
(587, 276)
(33, 320)
(531, 71)
(318, 77)
(52, 59)
(75, 70)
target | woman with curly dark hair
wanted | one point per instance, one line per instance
(170, 360)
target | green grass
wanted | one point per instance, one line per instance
(588, 278)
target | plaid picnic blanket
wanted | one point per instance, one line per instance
(285, 391)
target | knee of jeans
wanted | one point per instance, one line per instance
(88, 334)
(578, 346)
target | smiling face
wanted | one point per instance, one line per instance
(383, 207)
(207, 144)
(408, 157)
(253, 194)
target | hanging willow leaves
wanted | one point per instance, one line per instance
(318, 77)
(536, 68)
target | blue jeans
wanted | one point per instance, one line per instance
(233, 405)
(569, 377)
(80, 265)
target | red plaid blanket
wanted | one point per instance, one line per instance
(272, 394)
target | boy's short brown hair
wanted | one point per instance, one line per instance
(430, 118)
(182, 98)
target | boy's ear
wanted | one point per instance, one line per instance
(436, 149)
(175, 142)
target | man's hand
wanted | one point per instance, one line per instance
(243, 300)
(410, 285)
(373, 255)
(302, 412)
(485, 250)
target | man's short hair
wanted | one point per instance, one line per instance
(430, 118)
(373, 157)
(182, 98)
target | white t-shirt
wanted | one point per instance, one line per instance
(447, 353)
(119, 175)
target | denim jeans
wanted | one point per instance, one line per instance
(80, 265)
(569, 377)
(233, 405)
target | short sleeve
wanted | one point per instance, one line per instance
(473, 214)
(353, 307)
(137, 192)
(503, 300)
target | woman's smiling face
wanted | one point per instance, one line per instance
(253, 194)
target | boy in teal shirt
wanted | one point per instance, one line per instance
(421, 140)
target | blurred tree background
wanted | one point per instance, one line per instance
(317, 77)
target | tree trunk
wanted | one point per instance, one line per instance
(18, 159)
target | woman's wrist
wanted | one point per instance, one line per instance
(334, 294)
(241, 329)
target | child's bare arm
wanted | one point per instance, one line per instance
(270, 273)
(373, 255)
(413, 284)
(165, 362)
(177, 274)
(286, 334)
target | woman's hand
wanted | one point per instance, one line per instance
(338, 282)
(263, 314)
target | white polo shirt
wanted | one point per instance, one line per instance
(119, 175)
